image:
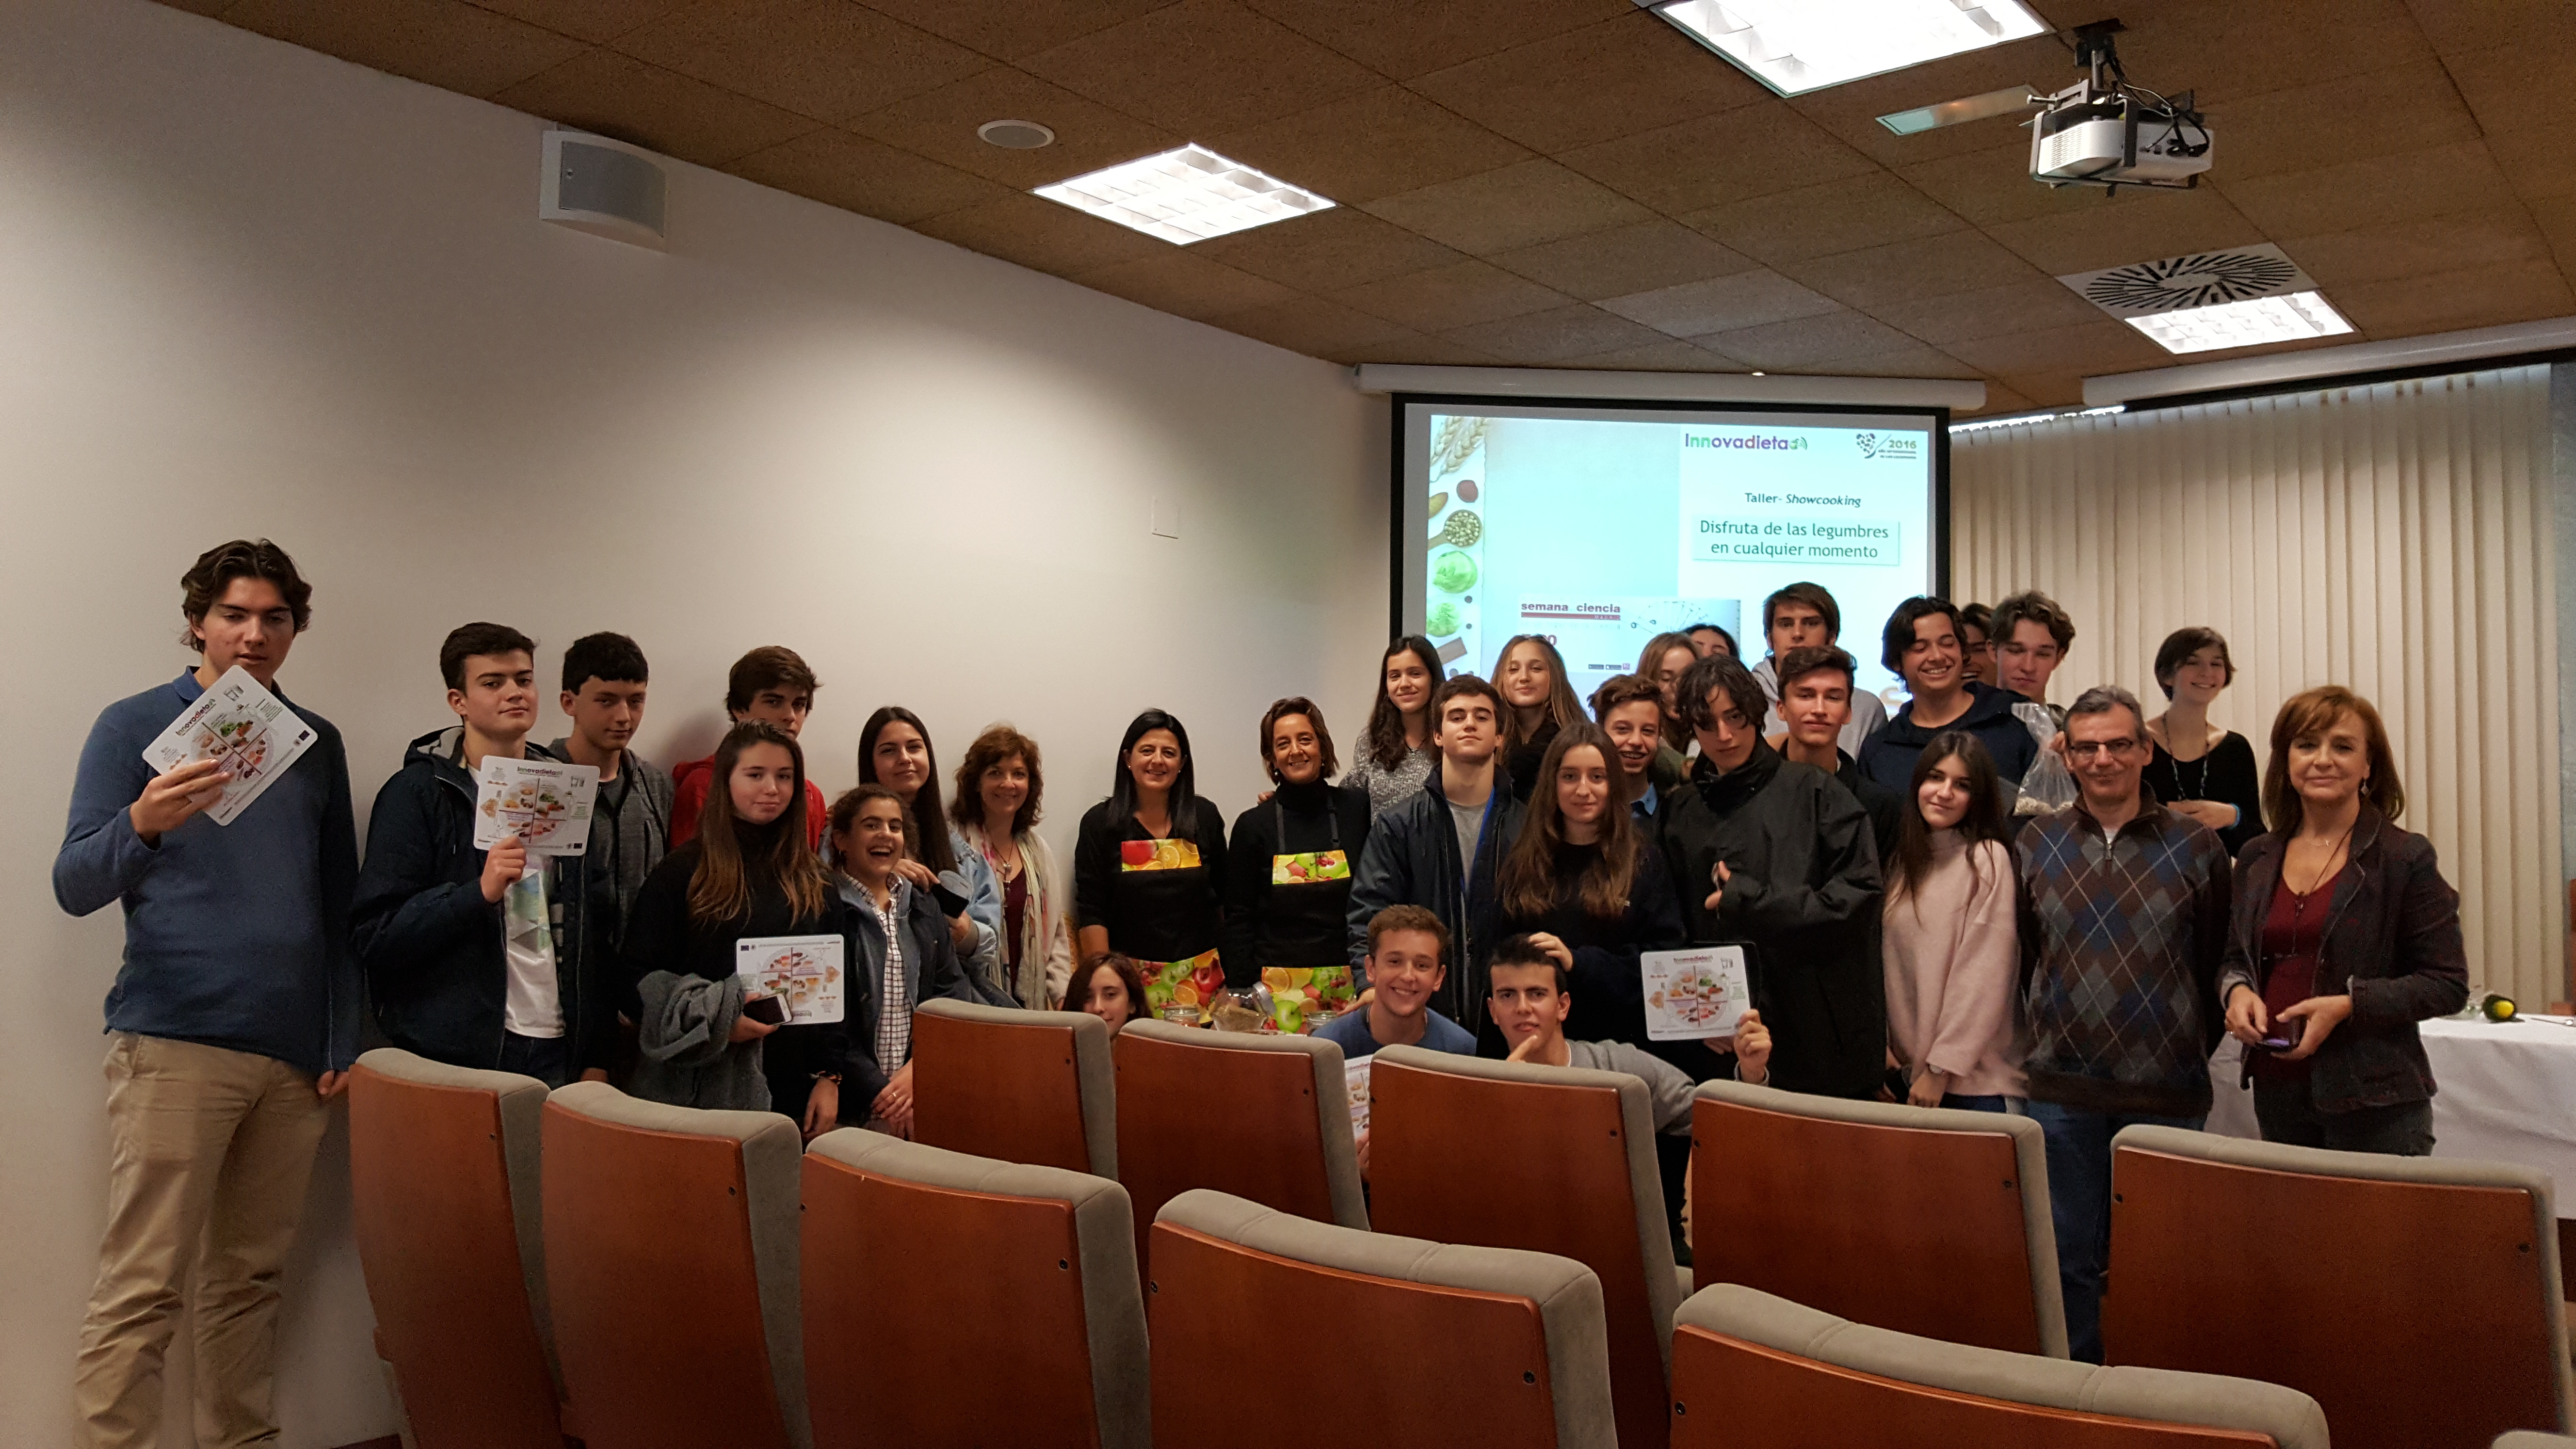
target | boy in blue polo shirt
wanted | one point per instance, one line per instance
(1407, 945)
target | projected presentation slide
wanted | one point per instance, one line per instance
(1601, 527)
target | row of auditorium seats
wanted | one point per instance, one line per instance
(676, 1277)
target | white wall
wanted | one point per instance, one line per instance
(249, 290)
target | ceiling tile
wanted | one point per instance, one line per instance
(2096, 347)
(1696, 309)
(1667, 355)
(1511, 207)
(1807, 340)
(2397, 109)
(829, 59)
(1556, 334)
(1624, 259)
(1992, 186)
(1840, 216)
(1202, 67)
(1186, 285)
(445, 43)
(2030, 306)
(1912, 359)
(2519, 95)
(2458, 25)
(1416, 348)
(1328, 251)
(2493, 236)
(592, 20)
(1960, 261)
(1042, 235)
(1406, 38)
(1460, 295)
(2226, 50)
(1753, 151)
(2134, 226)
(616, 95)
(940, 124)
(1616, 78)
(2451, 301)
(2433, 181)
(1311, 325)
(1009, 29)
(2556, 216)
(857, 174)
(1371, 145)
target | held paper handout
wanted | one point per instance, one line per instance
(543, 802)
(1696, 994)
(1355, 1078)
(803, 972)
(241, 724)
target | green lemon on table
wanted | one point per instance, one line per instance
(2500, 1008)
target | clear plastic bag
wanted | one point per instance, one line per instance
(2047, 785)
(1242, 1008)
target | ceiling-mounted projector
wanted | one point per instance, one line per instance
(2103, 131)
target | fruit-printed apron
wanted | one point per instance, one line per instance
(1307, 888)
(1154, 875)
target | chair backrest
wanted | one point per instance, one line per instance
(1262, 1117)
(671, 1262)
(1752, 1368)
(1792, 1194)
(957, 1300)
(444, 1186)
(1546, 1159)
(2533, 1439)
(1015, 1086)
(1395, 1340)
(2416, 1298)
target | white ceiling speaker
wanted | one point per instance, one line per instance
(1016, 135)
(604, 187)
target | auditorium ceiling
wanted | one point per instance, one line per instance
(1575, 183)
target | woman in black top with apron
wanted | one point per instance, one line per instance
(1149, 872)
(1288, 874)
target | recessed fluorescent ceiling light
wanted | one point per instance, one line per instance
(1185, 195)
(2250, 323)
(1796, 46)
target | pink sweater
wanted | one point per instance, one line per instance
(1953, 962)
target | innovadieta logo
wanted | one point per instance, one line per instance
(1755, 442)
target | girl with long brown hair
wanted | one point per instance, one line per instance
(746, 875)
(1396, 754)
(1538, 701)
(1591, 891)
(1950, 941)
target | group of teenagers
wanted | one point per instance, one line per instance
(1979, 901)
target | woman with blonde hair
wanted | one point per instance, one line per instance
(999, 785)
(2344, 936)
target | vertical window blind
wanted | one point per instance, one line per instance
(2395, 538)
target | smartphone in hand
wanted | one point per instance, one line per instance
(767, 1010)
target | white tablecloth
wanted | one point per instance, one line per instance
(2507, 1093)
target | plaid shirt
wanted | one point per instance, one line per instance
(2121, 942)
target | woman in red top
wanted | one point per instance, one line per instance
(2344, 937)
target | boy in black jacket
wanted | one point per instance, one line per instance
(477, 958)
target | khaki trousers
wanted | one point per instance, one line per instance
(209, 1155)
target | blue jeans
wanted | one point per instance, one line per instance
(542, 1057)
(1994, 1102)
(2079, 1198)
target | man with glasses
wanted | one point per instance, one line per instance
(2123, 923)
